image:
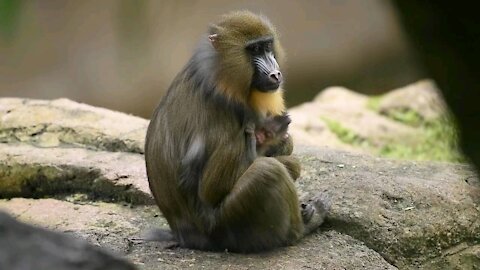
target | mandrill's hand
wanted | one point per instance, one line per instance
(251, 141)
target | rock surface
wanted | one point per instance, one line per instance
(412, 213)
(29, 171)
(353, 111)
(385, 213)
(62, 122)
(422, 97)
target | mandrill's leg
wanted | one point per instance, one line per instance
(262, 210)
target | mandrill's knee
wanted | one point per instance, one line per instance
(270, 169)
(292, 164)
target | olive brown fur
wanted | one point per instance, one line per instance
(203, 169)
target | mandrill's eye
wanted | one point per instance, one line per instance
(269, 47)
(255, 48)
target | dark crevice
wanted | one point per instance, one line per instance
(36, 181)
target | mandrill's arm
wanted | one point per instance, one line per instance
(229, 159)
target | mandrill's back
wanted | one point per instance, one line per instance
(185, 130)
(168, 137)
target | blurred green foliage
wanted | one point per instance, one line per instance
(9, 16)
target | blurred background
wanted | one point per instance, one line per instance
(123, 54)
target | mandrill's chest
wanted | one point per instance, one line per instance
(270, 103)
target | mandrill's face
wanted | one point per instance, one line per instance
(267, 76)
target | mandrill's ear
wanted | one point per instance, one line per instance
(213, 40)
(214, 33)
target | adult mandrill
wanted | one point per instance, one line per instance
(200, 150)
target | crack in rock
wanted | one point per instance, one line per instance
(27, 171)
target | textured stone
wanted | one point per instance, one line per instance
(385, 213)
(349, 109)
(422, 97)
(63, 122)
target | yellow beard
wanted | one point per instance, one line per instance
(267, 103)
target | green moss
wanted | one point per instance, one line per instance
(405, 116)
(344, 134)
(373, 103)
(438, 141)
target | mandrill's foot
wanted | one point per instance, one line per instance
(314, 212)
